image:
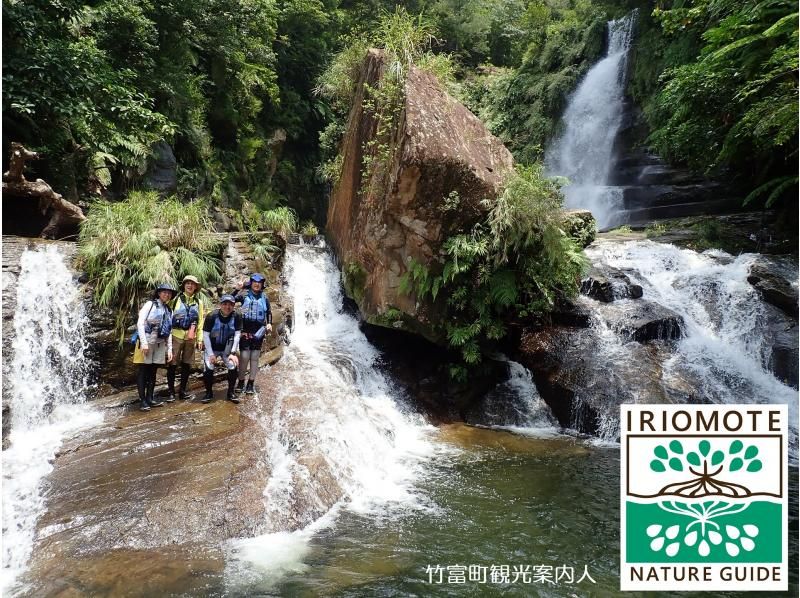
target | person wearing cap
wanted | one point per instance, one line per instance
(222, 330)
(154, 344)
(187, 313)
(256, 323)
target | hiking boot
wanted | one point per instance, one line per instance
(207, 398)
(250, 390)
(240, 387)
(184, 397)
(170, 398)
(154, 403)
(144, 407)
(233, 398)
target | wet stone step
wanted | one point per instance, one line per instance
(609, 284)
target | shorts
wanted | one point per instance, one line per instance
(182, 351)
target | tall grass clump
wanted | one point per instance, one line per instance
(406, 41)
(281, 221)
(127, 248)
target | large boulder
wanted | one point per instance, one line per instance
(444, 163)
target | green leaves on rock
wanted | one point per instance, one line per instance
(513, 264)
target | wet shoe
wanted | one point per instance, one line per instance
(233, 398)
(184, 397)
(170, 398)
(144, 407)
(207, 398)
(156, 403)
(240, 387)
(250, 388)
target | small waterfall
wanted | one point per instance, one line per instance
(48, 385)
(584, 153)
(515, 404)
(337, 437)
(725, 353)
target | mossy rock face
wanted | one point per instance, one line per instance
(354, 280)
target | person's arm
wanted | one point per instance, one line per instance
(269, 313)
(208, 324)
(140, 324)
(237, 324)
(201, 318)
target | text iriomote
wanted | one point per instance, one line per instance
(732, 420)
(506, 574)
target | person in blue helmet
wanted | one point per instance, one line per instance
(222, 330)
(256, 323)
(154, 343)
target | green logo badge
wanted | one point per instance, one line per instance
(704, 497)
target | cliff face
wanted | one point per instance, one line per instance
(444, 162)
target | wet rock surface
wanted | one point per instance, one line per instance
(607, 284)
(584, 384)
(768, 279)
(148, 486)
(421, 368)
(642, 321)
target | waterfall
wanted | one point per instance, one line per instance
(515, 404)
(584, 153)
(725, 352)
(48, 384)
(336, 424)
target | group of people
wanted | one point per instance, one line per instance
(169, 332)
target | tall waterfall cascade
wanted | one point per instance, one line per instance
(48, 385)
(337, 423)
(584, 153)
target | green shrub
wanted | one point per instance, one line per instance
(127, 248)
(513, 264)
(309, 229)
(282, 221)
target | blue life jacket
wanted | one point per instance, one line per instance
(185, 315)
(222, 332)
(164, 321)
(255, 308)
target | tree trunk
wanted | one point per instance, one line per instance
(62, 213)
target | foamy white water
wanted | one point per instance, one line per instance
(726, 347)
(584, 152)
(48, 383)
(352, 418)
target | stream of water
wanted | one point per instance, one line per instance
(591, 121)
(48, 383)
(727, 345)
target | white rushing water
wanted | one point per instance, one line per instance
(337, 421)
(47, 383)
(727, 345)
(584, 152)
(516, 405)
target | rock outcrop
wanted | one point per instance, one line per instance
(445, 162)
(176, 481)
(773, 287)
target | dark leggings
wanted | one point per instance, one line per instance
(146, 381)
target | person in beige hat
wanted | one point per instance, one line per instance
(187, 313)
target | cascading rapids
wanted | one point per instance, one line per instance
(337, 434)
(48, 384)
(584, 153)
(725, 351)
